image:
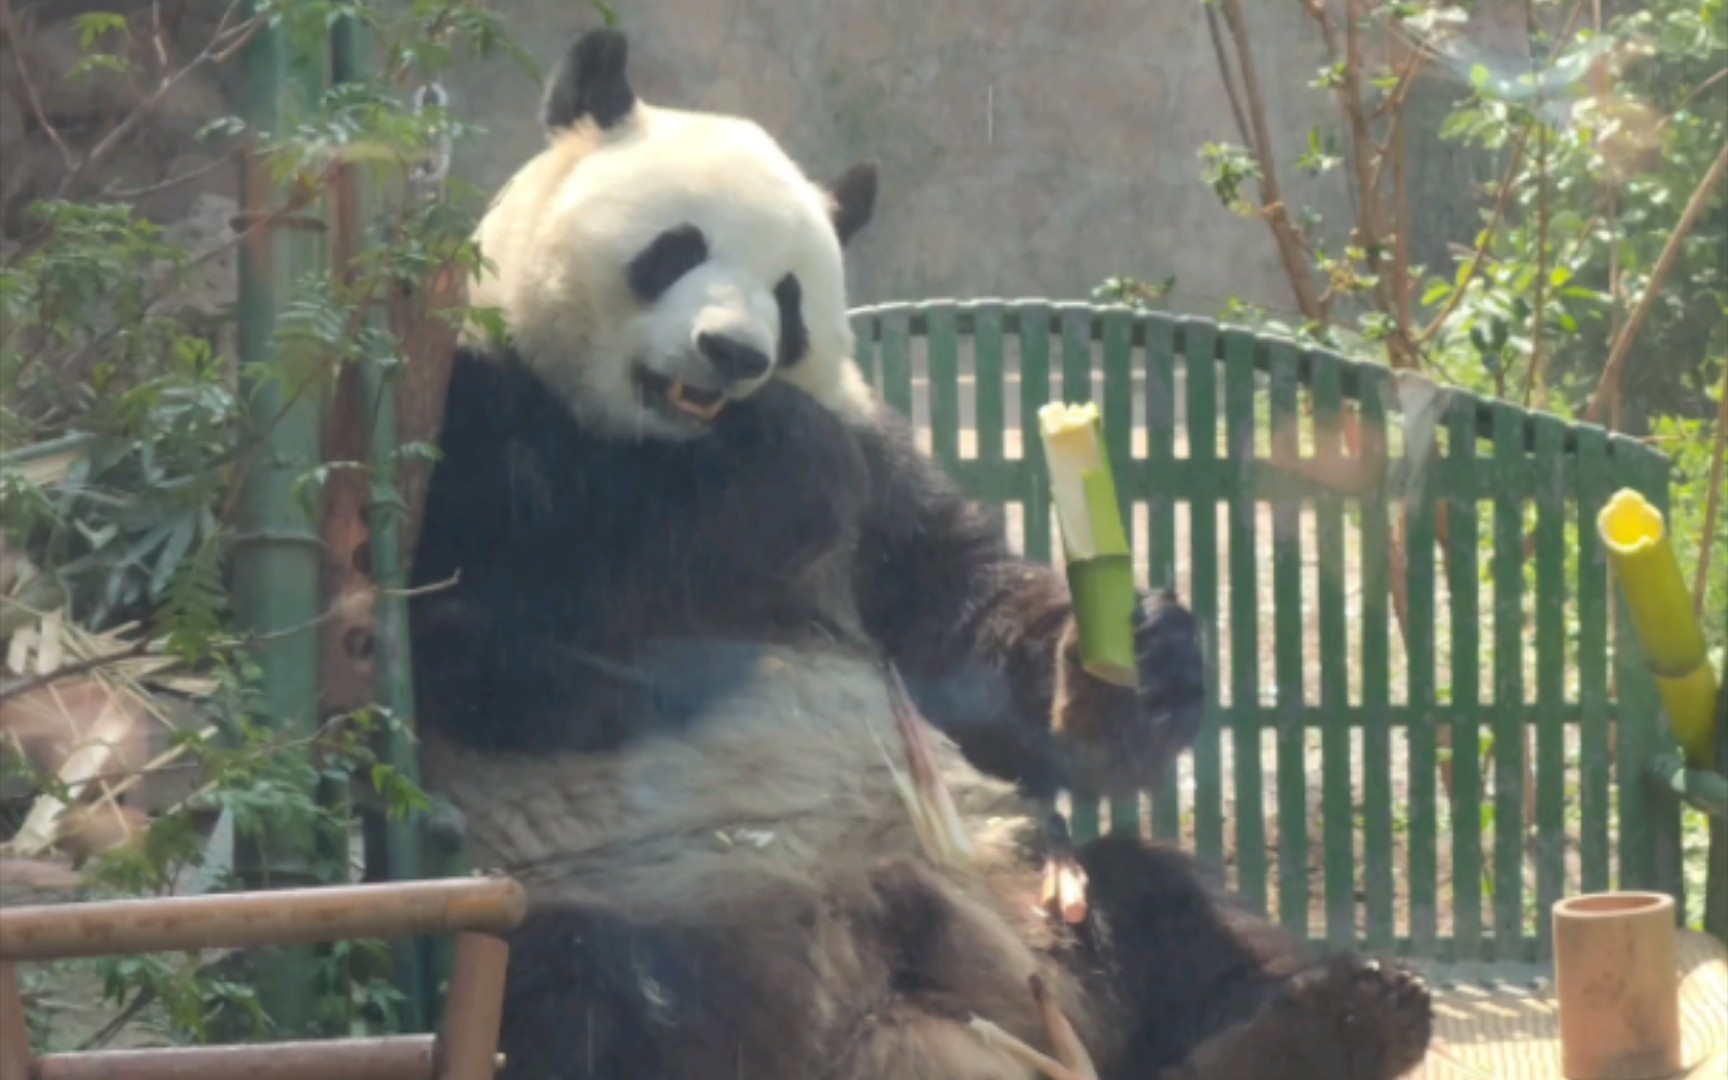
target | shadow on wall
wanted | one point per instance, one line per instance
(1028, 147)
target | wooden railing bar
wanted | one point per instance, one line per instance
(395, 1057)
(274, 917)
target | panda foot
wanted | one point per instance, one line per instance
(1347, 1020)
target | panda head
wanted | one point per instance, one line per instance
(654, 266)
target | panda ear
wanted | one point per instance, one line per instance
(590, 81)
(854, 194)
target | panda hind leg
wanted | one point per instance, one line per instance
(1212, 991)
(1344, 1019)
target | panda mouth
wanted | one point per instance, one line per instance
(673, 395)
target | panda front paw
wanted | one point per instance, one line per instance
(1172, 670)
(1117, 740)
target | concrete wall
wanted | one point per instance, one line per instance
(1028, 147)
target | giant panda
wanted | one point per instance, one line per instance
(677, 562)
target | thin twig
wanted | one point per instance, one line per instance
(20, 687)
(1227, 75)
(1502, 200)
(211, 55)
(1277, 216)
(1610, 380)
(14, 40)
(163, 185)
(1533, 375)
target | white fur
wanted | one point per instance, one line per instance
(786, 778)
(562, 231)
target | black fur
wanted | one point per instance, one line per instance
(794, 335)
(575, 551)
(854, 194)
(669, 257)
(590, 81)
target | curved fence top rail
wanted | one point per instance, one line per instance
(1398, 390)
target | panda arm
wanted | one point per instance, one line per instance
(986, 641)
(506, 599)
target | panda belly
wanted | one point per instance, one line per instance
(755, 880)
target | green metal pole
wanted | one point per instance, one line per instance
(276, 553)
(396, 854)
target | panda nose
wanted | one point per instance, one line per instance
(735, 361)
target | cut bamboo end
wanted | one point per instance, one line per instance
(1072, 451)
(1618, 985)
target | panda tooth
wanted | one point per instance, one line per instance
(675, 395)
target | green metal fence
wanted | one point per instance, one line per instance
(1392, 573)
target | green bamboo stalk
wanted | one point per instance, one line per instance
(276, 552)
(394, 844)
(1095, 545)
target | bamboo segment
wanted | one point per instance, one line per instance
(1636, 538)
(1100, 569)
(1616, 977)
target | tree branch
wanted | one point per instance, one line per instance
(1228, 77)
(1277, 216)
(14, 41)
(223, 45)
(1502, 200)
(1610, 381)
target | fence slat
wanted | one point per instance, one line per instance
(1508, 722)
(1422, 453)
(1376, 666)
(943, 365)
(1593, 585)
(1200, 368)
(1034, 393)
(1466, 677)
(1336, 802)
(896, 357)
(1290, 634)
(1118, 412)
(1550, 841)
(1250, 807)
(1161, 470)
(864, 330)
(989, 403)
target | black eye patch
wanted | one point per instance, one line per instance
(673, 254)
(794, 337)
